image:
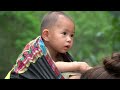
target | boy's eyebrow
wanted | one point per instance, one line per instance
(68, 30)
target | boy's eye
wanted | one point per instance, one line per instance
(64, 33)
(72, 35)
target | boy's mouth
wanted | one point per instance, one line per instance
(67, 47)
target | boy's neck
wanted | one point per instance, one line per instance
(53, 54)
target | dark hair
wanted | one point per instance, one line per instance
(51, 18)
(109, 70)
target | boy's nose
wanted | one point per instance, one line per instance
(69, 39)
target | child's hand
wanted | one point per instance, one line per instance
(84, 67)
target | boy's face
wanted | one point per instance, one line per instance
(61, 35)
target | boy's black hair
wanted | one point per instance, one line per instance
(51, 18)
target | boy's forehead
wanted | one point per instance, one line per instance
(63, 18)
(65, 22)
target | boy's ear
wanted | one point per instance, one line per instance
(45, 34)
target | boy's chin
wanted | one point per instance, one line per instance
(63, 52)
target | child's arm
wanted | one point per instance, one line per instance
(72, 66)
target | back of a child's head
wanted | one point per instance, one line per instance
(51, 18)
(109, 70)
